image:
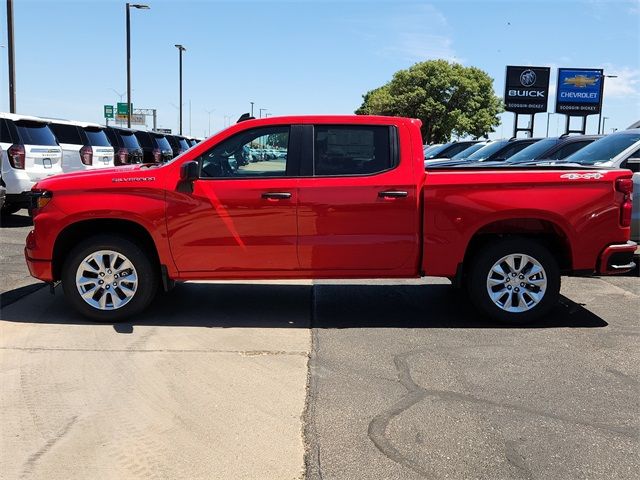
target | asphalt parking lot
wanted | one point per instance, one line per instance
(340, 380)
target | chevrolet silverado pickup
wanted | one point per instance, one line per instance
(342, 197)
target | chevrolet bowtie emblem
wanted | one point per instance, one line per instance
(581, 81)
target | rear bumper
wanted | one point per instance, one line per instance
(617, 259)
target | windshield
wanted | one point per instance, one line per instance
(97, 137)
(129, 140)
(465, 153)
(533, 152)
(34, 133)
(430, 148)
(603, 150)
(487, 150)
(183, 143)
(432, 153)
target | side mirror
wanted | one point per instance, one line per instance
(633, 164)
(189, 171)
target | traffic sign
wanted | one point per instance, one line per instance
(136, 119)
(123, 109)
(108, 111)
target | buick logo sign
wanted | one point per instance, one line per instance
(528, 78)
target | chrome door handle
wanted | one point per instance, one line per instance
(393, 194)
(276, 195)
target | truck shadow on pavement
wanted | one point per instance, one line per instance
(306, 306)
(15, 221)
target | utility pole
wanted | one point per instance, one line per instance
(181, 49)
(11, 55)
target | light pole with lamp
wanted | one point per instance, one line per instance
(180, 50)
(139, 6)
(601, 130)
(261, 110)
(251, 108)
(209, 112)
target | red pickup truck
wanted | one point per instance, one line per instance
(326, 197)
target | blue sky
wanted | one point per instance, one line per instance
(303, 56)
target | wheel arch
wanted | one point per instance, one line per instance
(78, 231)
(547, 232)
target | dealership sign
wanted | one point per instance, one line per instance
(526, 89)
(579, 91)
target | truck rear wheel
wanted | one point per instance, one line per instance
(109, 278)
(515, 280)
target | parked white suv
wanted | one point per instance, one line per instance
(30, 153)
(85, 146)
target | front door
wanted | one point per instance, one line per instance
(241, 215)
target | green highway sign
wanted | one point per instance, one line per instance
(108, 111)
(122, 108)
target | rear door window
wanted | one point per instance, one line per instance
(351, 150)
(96, 137)
(66, 133)
(162, 142)
(129, 140)
(145, 140)
(35, 133)
(6, 128)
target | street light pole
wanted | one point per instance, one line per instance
(180, 50)
(209, 112)
(251, 108)
(11, 55)
(604, 120)
(128, 8)
(602, 101)
(261, 110)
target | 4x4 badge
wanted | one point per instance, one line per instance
(583, 176)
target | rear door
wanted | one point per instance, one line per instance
(358, 209)
(239, 218)
(43, 155)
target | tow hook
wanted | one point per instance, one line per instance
(52, 287)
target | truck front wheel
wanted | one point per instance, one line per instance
(109, 278)
(515, 280)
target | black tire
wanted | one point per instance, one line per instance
(486, 258)
(147, 273)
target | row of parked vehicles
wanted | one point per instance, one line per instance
(617, 150)
(33, 148)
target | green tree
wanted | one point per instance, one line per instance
(449, 98)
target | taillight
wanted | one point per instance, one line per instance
(157, 155)
(16, 155)
(123, 156)
(625, 186)
(86, 155)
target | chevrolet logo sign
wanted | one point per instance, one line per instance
(581, 81)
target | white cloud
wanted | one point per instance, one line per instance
(420, 32)
(627, 83)
(416, 46)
